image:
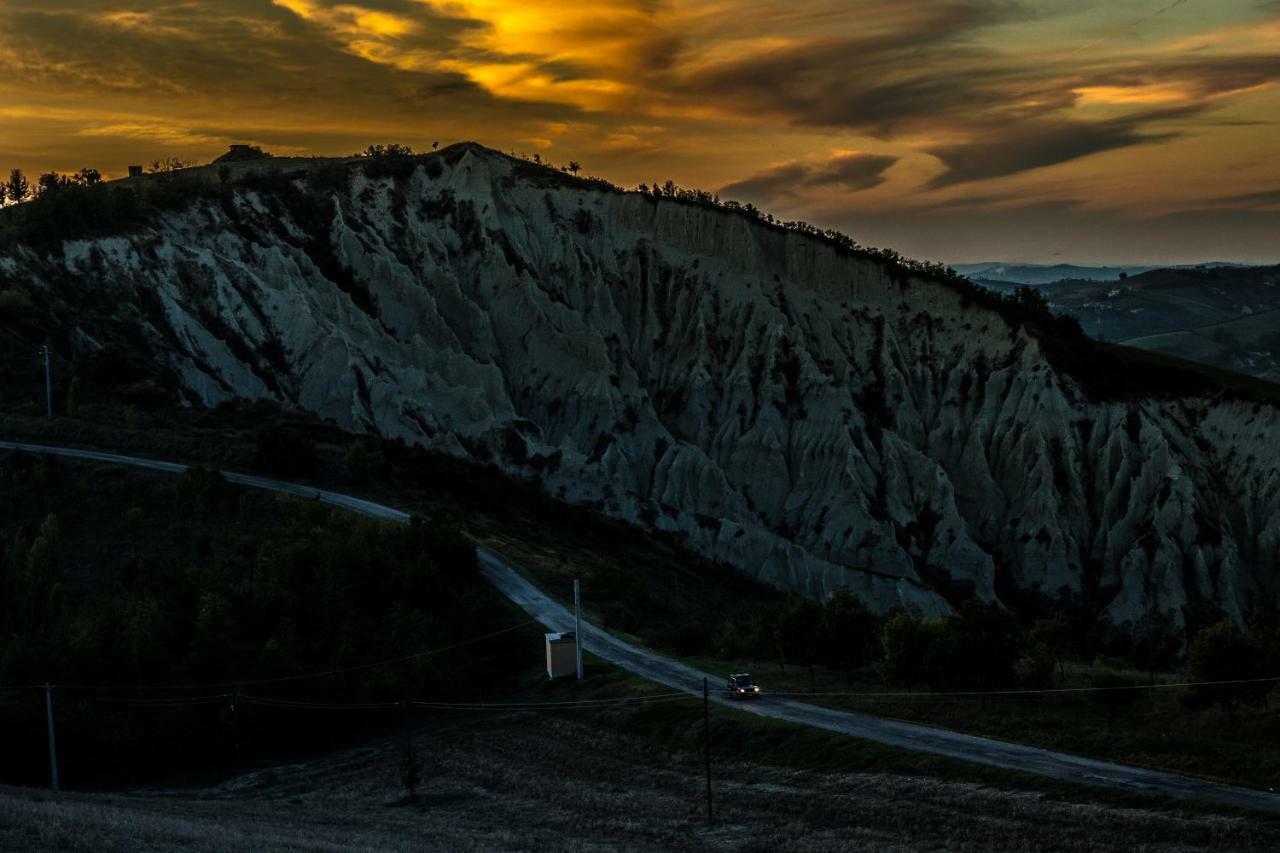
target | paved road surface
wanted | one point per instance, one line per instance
(557, 617)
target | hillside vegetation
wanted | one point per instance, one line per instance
(112, 578)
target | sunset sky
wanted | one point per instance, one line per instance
(1041, 130)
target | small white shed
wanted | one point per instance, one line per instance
(562, 654)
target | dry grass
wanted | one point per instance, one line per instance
(569, 783)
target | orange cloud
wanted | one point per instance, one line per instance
(1155, 93)
(961, 97)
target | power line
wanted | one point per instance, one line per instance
(465, 706)
(937, 694)
(551, 706)
(1034, 691)
(170, 702)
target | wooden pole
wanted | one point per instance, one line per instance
(235, 721)
(577, 624)
(53, 746)
(706, 740)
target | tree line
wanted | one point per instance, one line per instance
(18, 189)
(205, 582)
(984, 646)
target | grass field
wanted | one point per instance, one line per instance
(627, 778)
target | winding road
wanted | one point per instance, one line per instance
(680, 676)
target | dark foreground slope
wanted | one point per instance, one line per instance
(572, 782)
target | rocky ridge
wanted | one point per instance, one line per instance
(816, 419)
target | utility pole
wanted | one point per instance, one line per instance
(577, 623)
(408, 727)
(706, 740)
(48, 380)
(53, 747)
(235, 721)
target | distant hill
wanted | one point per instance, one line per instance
(996, 272)
(1225, 316)
(1042, 274)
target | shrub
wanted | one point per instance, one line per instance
(903, 648)
(1113, 691)
(285, 453)
(1223, 653)
(584, 221)
(848, 633)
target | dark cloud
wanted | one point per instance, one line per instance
(926, 77)
(919, 72)
(1260, 200)
(251, 61)
(1042, 143)
(848, 170)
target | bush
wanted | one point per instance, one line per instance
(284, 452)
(1113, 691)
(1222, 653)
(363, 461)
(1035, 668)
(796, 634)
(848, 633)
(903, 648)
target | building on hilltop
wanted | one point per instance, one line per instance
(238, 153)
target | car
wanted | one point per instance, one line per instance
(743, 686)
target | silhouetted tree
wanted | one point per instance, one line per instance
(1052, 638)
(50, 182)
(1156, 643)
(903, 645)
(17, 189)
(1223, 653)
(574, 167)
(391, 150)
(169, 164)
(987, 644)
(848, 633)
(796, 634)
(1031, 301)
(87, 177)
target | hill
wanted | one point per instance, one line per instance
(817, 414)
(1000, 273)
(1221, 315)
(1250, 343)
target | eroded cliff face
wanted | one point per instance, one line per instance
(798, 413)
